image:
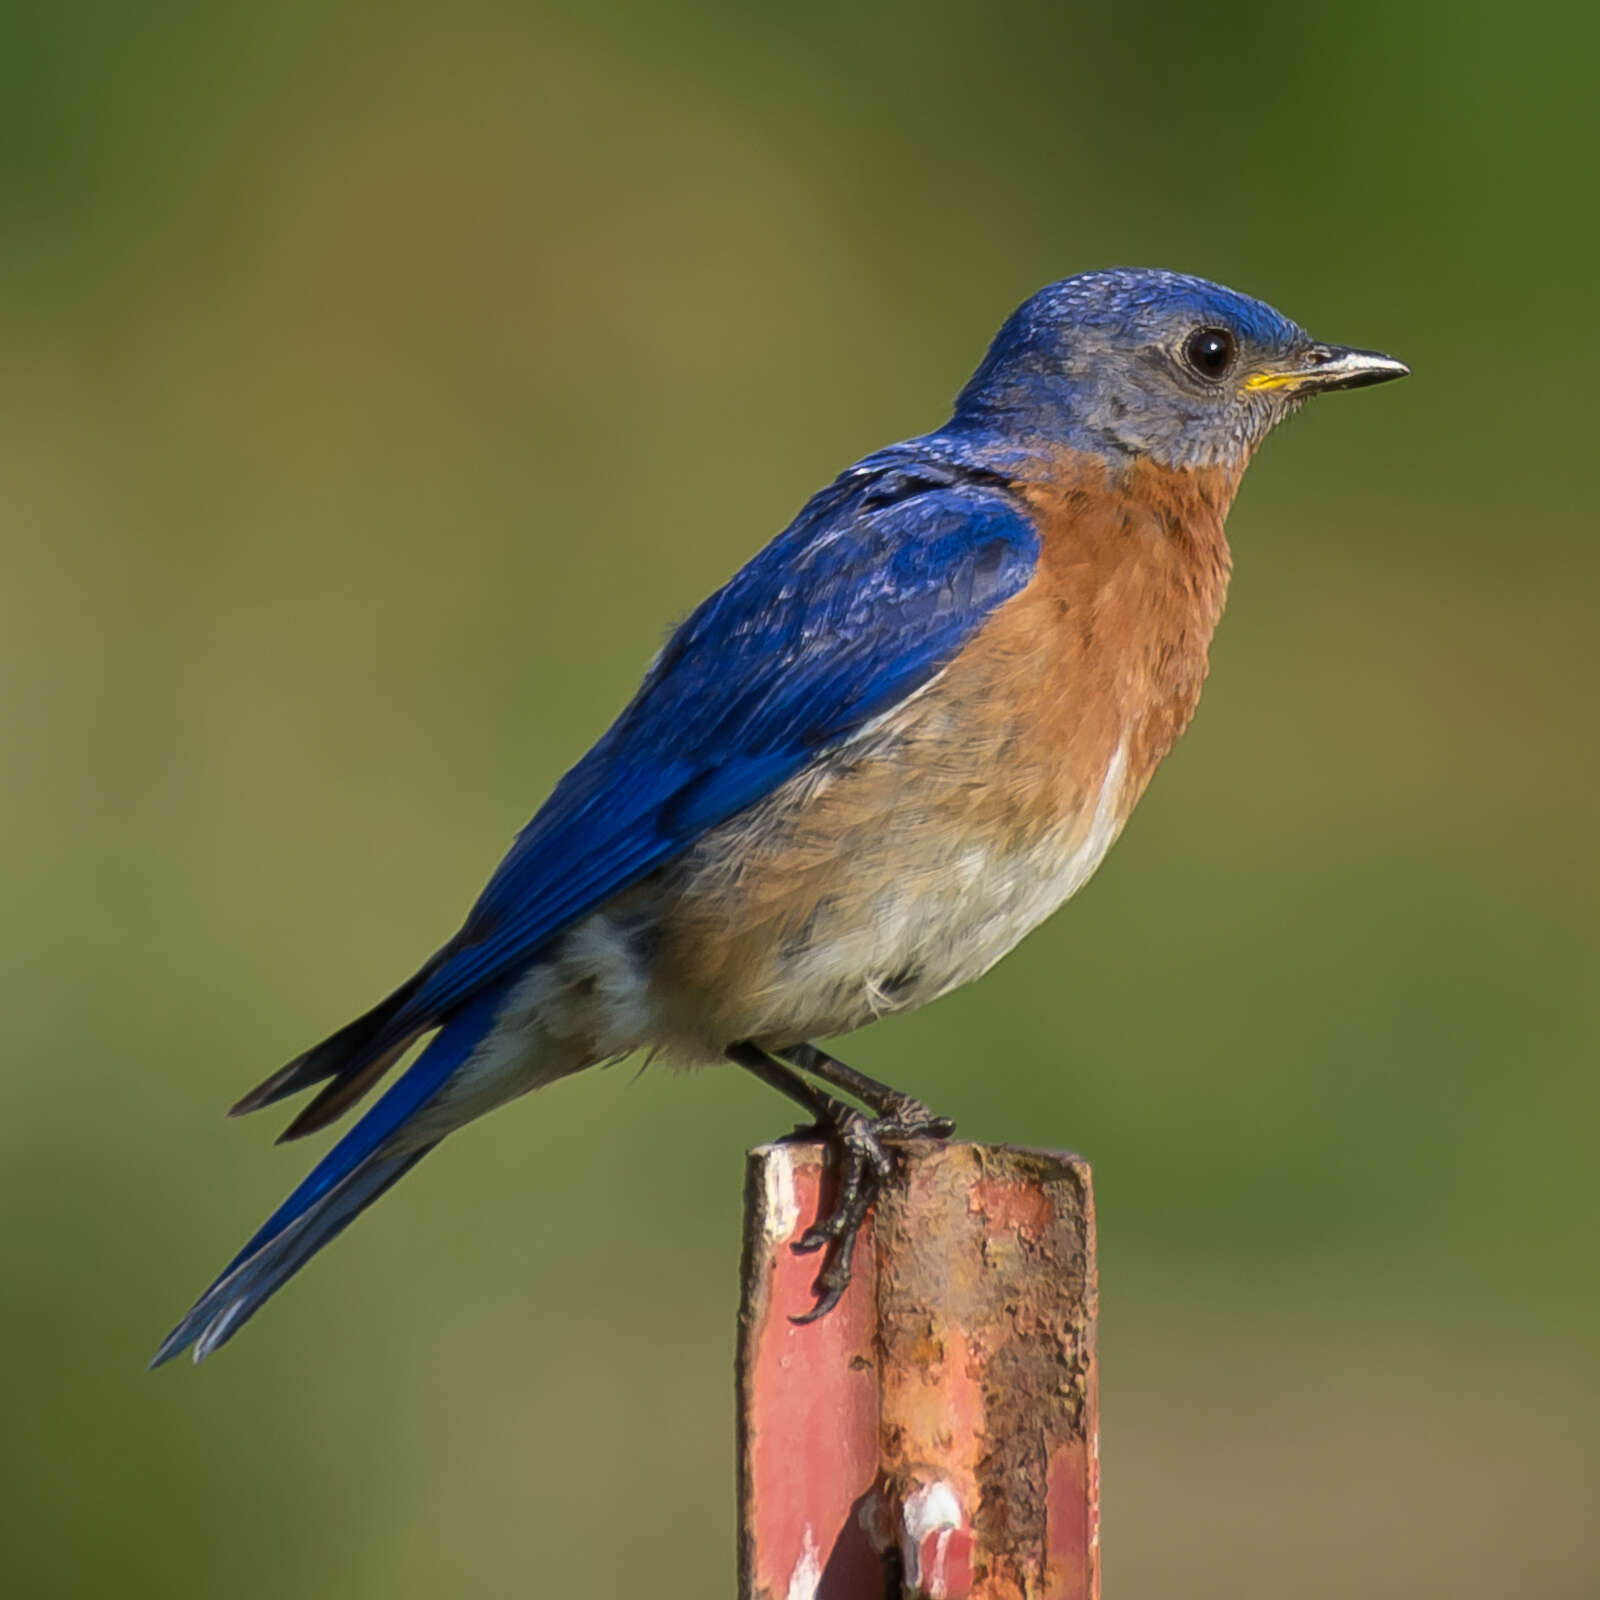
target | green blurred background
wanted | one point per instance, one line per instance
(380, 382)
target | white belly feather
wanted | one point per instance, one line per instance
(932, 933)
(597, 998)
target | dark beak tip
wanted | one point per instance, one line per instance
(1344, 367)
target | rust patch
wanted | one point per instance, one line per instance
(1007, 1207)
(986, 1304)
(979, 1315)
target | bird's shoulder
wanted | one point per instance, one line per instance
(903, 546)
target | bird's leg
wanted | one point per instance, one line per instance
(899, 1116)
(828, 1114)
(863, 1166)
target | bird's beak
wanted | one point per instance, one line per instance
(1329, 366)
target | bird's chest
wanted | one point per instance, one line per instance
(1132, 581)
(898, 868)
(910, 860)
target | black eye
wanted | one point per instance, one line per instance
(1210, 351)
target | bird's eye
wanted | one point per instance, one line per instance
(1210, 351)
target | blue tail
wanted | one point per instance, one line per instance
(342, 1185)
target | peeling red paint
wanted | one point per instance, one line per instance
(947, 1408)
(944, 1563)
(808, 1400)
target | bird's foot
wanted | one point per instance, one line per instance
(906, 1119)
(909, 1119)
(864, 1164)
(864, 1167)
(858, 1143)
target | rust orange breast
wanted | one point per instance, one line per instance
(908, 860)
(1109, 645)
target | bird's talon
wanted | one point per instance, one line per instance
(831, 1283)
(822, 1231)
(812, 1240)
(825, 1303)
(864, 1165)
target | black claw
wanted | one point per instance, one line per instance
(834, 1278)
(864, 1165)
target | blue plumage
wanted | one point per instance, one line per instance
(1098, 390)
(860, 602)
(344, 1183)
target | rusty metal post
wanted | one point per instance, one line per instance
(936, 1434)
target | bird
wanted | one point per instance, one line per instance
(893, 743)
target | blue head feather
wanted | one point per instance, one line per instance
(1097, 362)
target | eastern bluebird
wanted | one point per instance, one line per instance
(893, 743)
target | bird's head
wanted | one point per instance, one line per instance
(1155, 365)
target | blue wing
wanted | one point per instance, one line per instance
(856, 606)
(864, 598)
(859, 603)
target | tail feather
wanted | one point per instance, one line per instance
(335, 1098)
(373, 1155)
(241, 1291)
(347, 1054)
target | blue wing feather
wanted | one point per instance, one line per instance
(866, 596)
(354, 1173)
(858, 604)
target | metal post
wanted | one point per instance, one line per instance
(936, 1434)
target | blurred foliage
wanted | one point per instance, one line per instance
(380, 383)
